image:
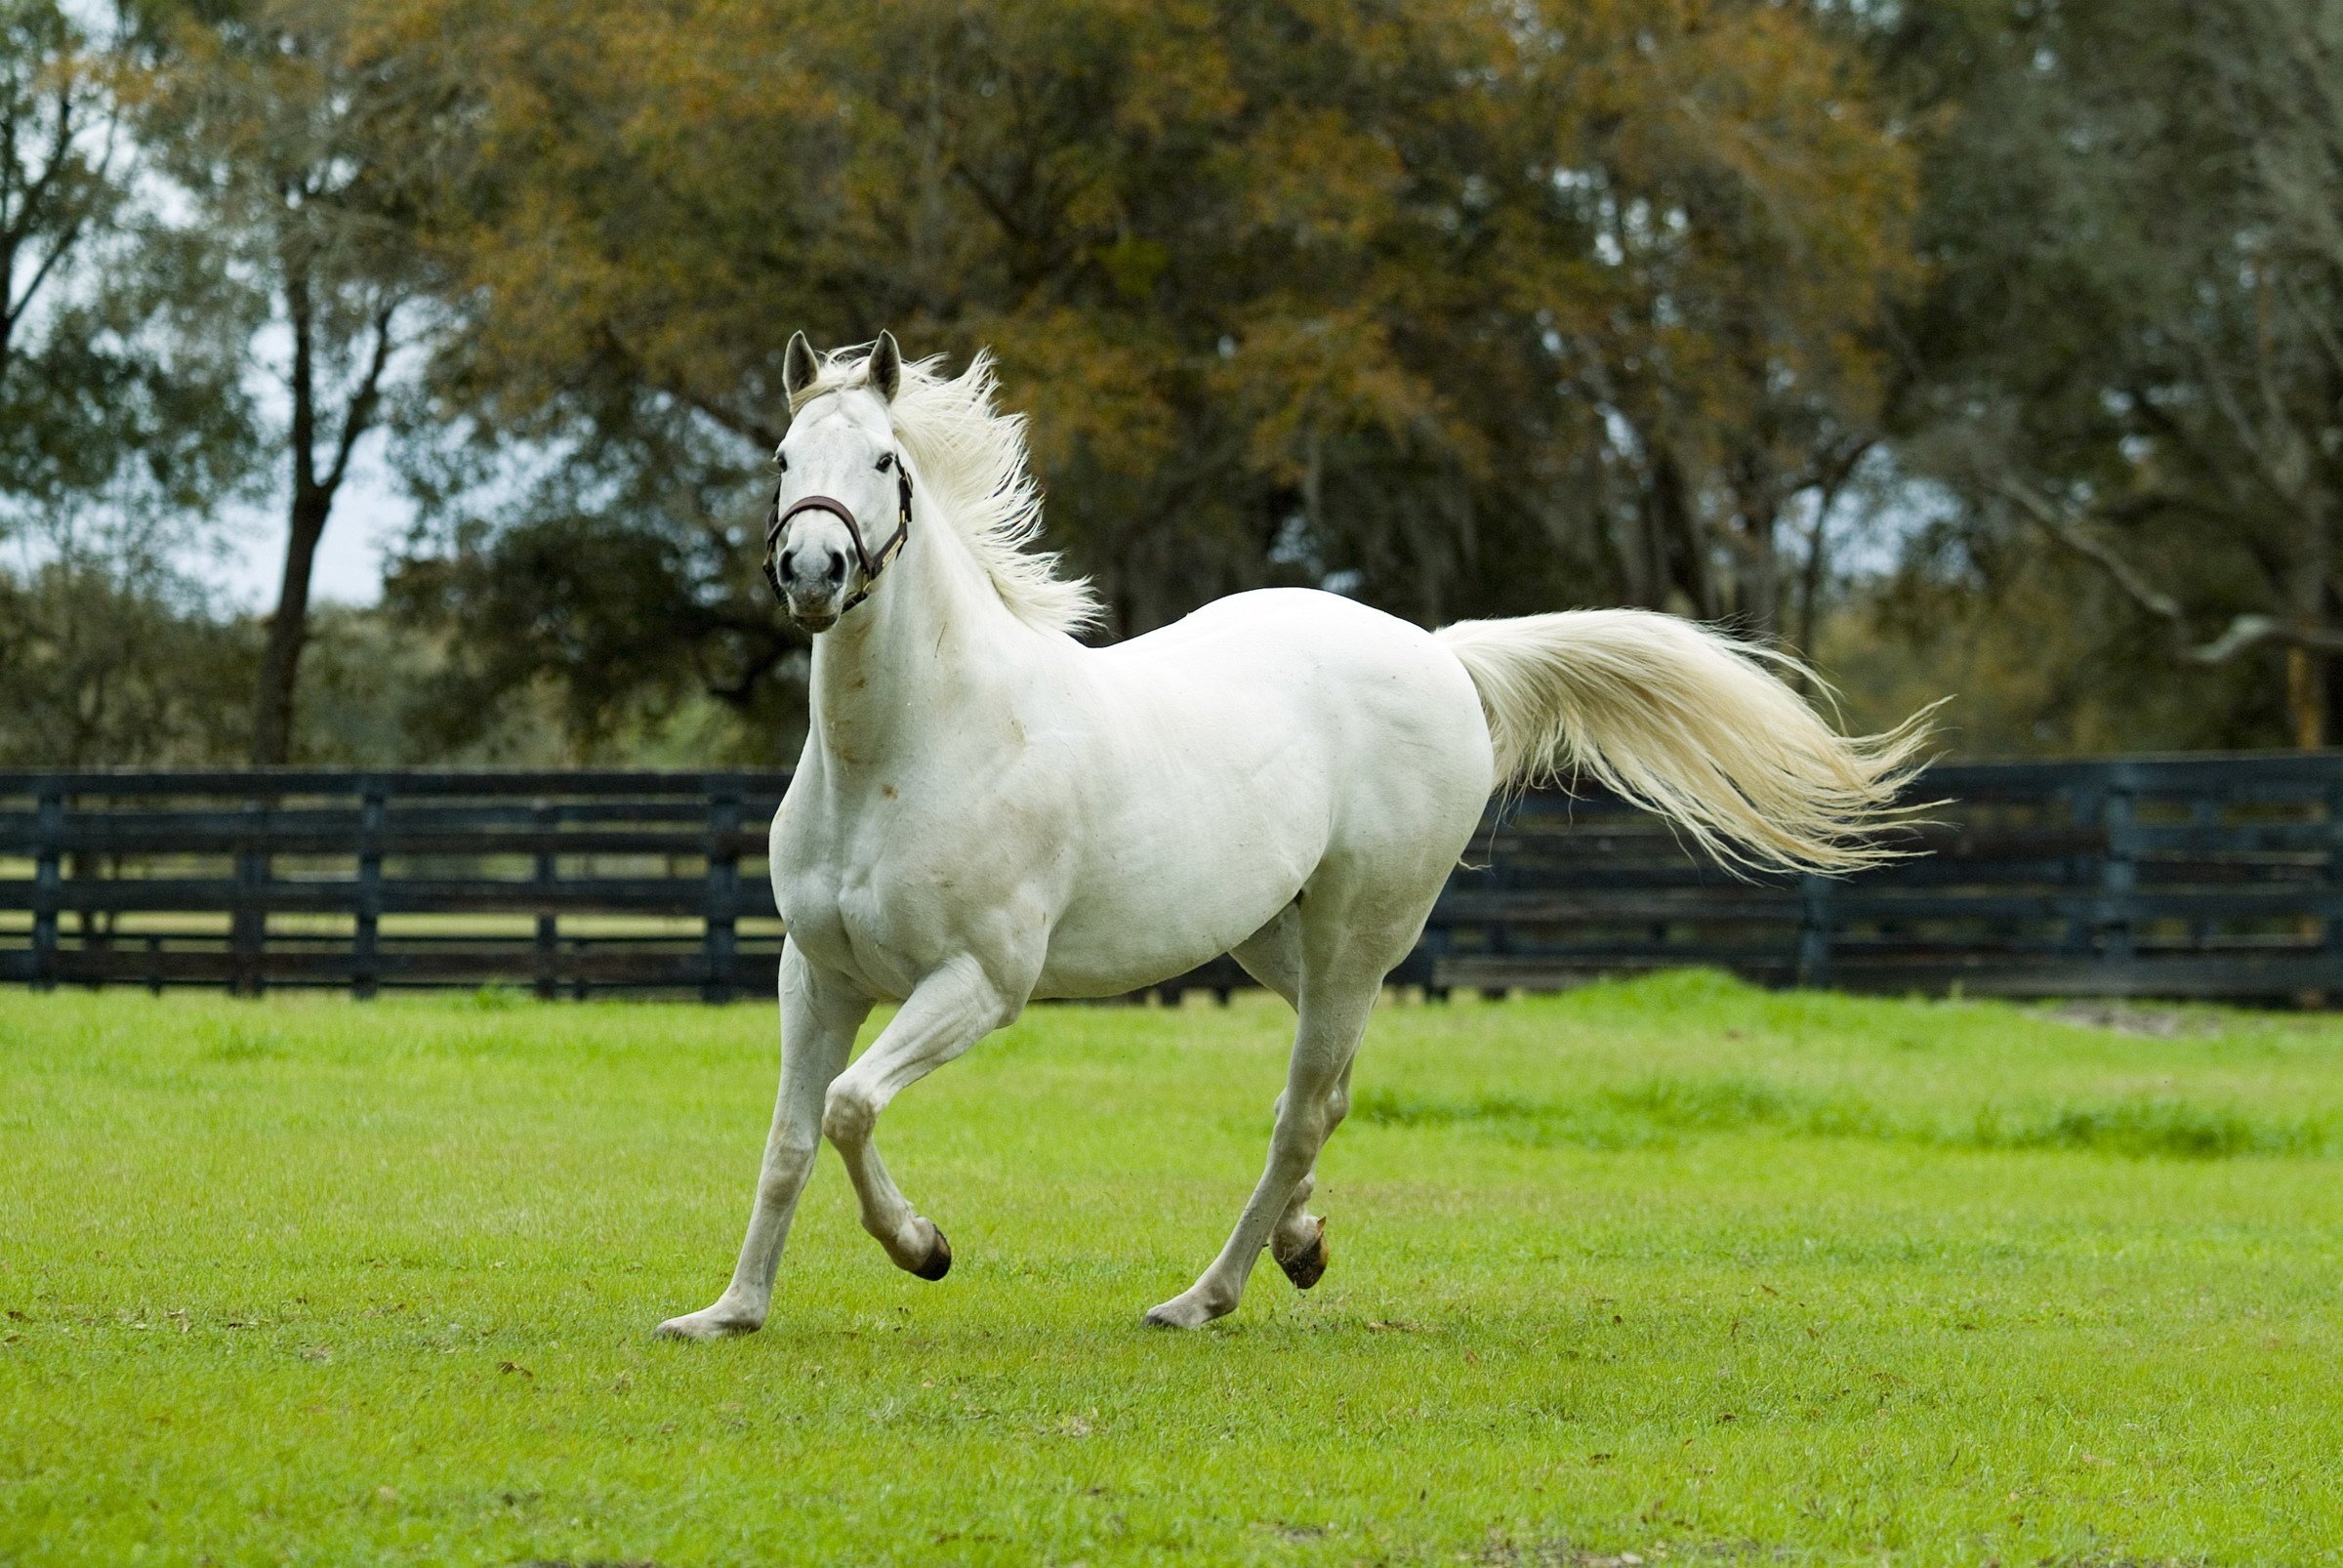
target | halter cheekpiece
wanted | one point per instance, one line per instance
(872, 564)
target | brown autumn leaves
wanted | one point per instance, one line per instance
(1486, 308)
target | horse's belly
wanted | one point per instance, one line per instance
(1126, 950)
(1168, 900)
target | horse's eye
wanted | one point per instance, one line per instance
(780, 462)
(886, 460)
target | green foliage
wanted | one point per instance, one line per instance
(374, 1282)
(109, 657)
(608, 618)
(113, 380)
(106, 657)
(2040, 655)
(2126, 355)
(1984, 346)
(1471, 313)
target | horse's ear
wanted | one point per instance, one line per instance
(886, 367)
(798, 366)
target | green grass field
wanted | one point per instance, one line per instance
(1669, 1271)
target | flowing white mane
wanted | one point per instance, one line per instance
(969, 460)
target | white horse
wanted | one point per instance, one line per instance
(988, 811)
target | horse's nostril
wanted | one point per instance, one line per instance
(785, 554)
(838, 567)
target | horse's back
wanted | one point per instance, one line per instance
(1303, 667)
(1368, 730)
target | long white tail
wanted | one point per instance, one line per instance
(1691, 724)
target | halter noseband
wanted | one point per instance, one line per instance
(872, 564)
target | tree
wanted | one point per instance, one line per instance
(1463, 310)
(2128, 350)
(107, 655)
(111, 384)
(308, 155)
(60, 184)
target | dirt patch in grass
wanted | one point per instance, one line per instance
(2131, 1018)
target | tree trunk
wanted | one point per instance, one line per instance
(1813, 573)
(2306, 696)
(1756, 573)
(288, 633)
(289, 627)
(1682, 546)
(2306, 665)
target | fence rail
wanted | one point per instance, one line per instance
(2213, 876)
(568, 882)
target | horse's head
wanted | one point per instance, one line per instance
(843, 506)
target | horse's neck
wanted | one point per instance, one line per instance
(930, 640)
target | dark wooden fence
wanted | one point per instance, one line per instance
(2212, 876)
(2217, 876)
(565, 882)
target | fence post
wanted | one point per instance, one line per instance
(722, 943)
(2118, 877)
(2331, 927)
(366, 944)
(2083, 805)
(549, 924)
(2204, 811)
(1814, 931)
(49, 830)
(248, 925)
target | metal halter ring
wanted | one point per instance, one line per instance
(872, 564)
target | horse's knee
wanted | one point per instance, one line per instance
(847, 1115)
(785, 1170)
(1338, 1106)
(1300, 1128)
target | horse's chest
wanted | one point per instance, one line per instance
(849, 925)
(881, 903)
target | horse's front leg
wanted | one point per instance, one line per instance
(948, 1011)
(819, 1014)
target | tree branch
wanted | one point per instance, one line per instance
(2070, 532)
(762, 434)
(2243, 633)
(2246, 632)
(358, 417)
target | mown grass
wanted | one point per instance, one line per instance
(1673, 1268)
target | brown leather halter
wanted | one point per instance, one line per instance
(872, 564)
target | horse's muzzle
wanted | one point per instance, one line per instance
(815, 607)
(811, 584)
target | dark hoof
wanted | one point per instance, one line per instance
(939, 1259)
(1305, 1265)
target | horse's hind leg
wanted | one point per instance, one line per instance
(1297, 1241)
(1272, 956)
(1336, 998)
